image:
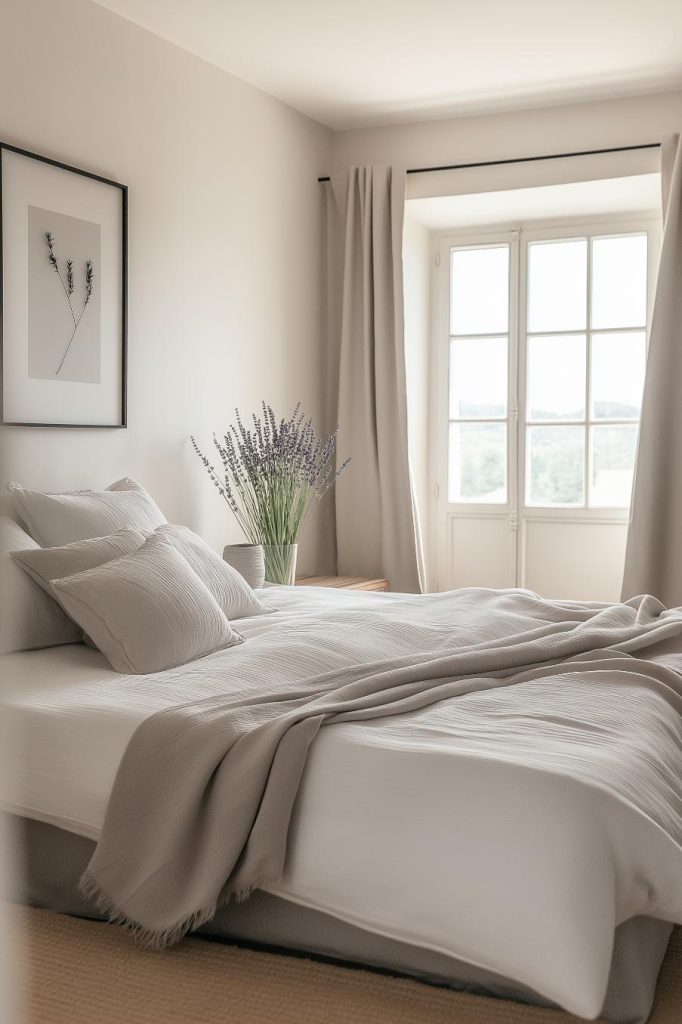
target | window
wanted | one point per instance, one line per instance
(581, 330)
(479, 376)
(585, 358)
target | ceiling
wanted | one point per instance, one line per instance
(350, 63)
(636, 194)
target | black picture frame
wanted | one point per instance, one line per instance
(8, 147)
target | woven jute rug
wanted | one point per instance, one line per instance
(83, 972)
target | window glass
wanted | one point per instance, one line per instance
(479, 290)
(478, 378)
(478, 462)
(619, 281)
(612, 464)
(618, 365)
(556, 377)
(556, 460)
(557, 286)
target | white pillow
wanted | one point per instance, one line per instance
(229, 588)
(56, 519)
(47, 564)
(148, 611)
(29, 619)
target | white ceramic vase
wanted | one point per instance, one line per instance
(248, 560)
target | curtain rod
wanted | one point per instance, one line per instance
(524, 159)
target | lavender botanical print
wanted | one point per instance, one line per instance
(64, 340)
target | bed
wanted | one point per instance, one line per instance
(452, 842)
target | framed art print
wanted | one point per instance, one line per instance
(63, 262)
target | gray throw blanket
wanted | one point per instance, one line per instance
(202, 801)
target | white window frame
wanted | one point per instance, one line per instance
(518, 238)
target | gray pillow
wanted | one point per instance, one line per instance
(231, 591)
(148, 611)
(47, 564)
(29, 619)
(57, 519)
(44, 565)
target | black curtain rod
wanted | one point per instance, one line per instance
(524, 159)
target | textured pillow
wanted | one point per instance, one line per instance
(231, 591)
(47, 564)
(29, 619)
(56, 519)
(148, 611)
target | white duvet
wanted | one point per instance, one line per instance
(467, 828)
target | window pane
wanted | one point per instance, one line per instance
(478, 378)
(612, 459)
(557, 285)
(556, 377)
(556, 465)
(479, 290)
(619, 281)
(618, 365)
(478, 462)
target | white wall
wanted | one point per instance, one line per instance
(224, 245)
(520, 133)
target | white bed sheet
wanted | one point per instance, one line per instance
(440, 828)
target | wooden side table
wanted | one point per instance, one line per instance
(343, 582)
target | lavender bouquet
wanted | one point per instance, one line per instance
(271, 475)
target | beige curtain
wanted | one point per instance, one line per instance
(653, 559)
(375, 526)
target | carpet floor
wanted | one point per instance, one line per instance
(83, 972)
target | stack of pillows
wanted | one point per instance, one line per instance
(107, 564)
